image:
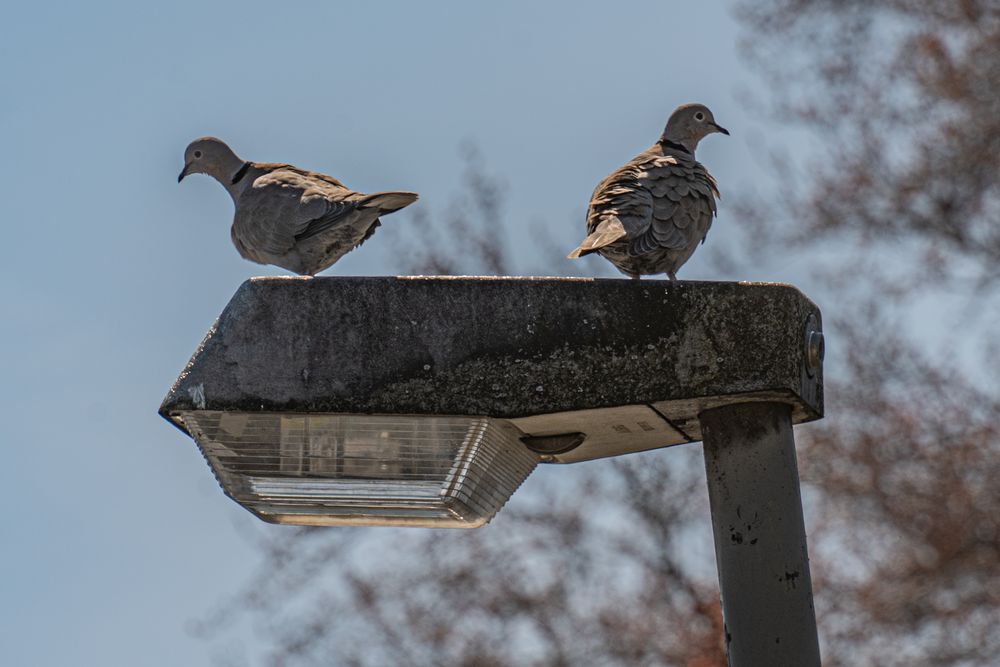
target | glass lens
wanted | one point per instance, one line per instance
(330, 469)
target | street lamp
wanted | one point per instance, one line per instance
(428, 401)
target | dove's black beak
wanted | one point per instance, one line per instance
(184, 172)
(719, 128)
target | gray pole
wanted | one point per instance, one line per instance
(760, 538)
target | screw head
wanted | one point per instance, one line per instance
(815, 346)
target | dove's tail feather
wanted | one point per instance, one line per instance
(609, 231)
(389, 202)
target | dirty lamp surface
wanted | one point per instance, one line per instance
(336, 469)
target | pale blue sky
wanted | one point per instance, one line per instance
(116, 535)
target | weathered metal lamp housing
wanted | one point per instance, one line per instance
(428, 401)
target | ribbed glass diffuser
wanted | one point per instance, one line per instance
(334, 469)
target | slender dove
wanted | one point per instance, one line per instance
(299, 220)
(650, 215)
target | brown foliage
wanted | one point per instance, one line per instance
(902, 95)
(904, 532)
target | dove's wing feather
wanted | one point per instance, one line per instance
(619, 209)
(343, 203)
(287, 205)
(683, 204)
(336, 213)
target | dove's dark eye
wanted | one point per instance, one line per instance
(197, 154)
(698, 117)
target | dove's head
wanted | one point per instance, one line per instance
(211, 156)
(689, 124)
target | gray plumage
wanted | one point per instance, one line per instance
(650, 215)
(299, 220)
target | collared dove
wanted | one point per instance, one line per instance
(649, 216)
(296, 219)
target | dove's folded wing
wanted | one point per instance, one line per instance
(683, 196)
(287, 205)
(619, 209)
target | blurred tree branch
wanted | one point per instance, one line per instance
(470, 236)
(902, 95)
(904, 537)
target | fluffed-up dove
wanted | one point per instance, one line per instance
(299, 220)
(650, 215)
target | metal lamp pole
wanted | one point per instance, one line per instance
(760, 537)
